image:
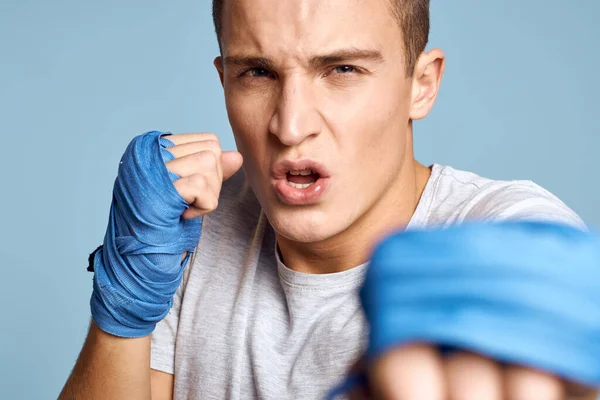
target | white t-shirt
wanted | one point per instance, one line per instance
(244, 326)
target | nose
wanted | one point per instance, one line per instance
(296, 117)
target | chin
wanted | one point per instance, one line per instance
(303, 226)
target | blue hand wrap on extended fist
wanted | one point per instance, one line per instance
(139, 267)
(525, 293)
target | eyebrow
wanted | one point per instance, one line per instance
(261, 62)
(316, 62)
(346, 55)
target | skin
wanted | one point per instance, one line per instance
(352, 113)
(333, 88)
(110, 367)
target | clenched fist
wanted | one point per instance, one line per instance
(165, 183)
(202, 167)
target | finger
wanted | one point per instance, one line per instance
(193, 190)
(200, 180)
(182, 150)
(470, 376)
(200, 193)
(204, 162)
(408, 373)
(522, 383)
(194, 212)
(182, 138)
(231, 162)
(576, 391)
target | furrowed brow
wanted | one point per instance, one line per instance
(346, 55)
(246, 61)
(316, 62)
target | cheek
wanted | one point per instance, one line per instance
(249, 122)
(389, 109)
(377, 126)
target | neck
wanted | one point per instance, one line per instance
(353, 246)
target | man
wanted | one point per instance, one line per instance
(321, 95)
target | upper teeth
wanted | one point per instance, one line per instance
(303, 172)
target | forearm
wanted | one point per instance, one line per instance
(110, 367)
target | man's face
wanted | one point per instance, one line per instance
(316, 87)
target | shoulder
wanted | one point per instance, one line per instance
(461, 195)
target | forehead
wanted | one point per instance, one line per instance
(290, 28)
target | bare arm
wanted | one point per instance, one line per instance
(162, 385)
(110, 367)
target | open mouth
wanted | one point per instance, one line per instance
(301, 179)
(300, 182)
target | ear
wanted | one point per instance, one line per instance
(218, 63)
(427, 76)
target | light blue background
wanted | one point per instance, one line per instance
(78, 79)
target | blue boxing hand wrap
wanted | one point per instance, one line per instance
(138, 268)
(520, 292)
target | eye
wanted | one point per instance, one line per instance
(256, 73)
(343, 72)
(344, 69)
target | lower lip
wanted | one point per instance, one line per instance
(300, 197)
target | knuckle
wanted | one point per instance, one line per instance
(214, 146)
(209, 159)
(205, 198)
(211, 136)
(198, 181)
(203, 159)
(214, 203)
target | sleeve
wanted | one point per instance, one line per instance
(524, 200)
(163, 339)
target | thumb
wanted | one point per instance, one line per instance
(231, 162)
